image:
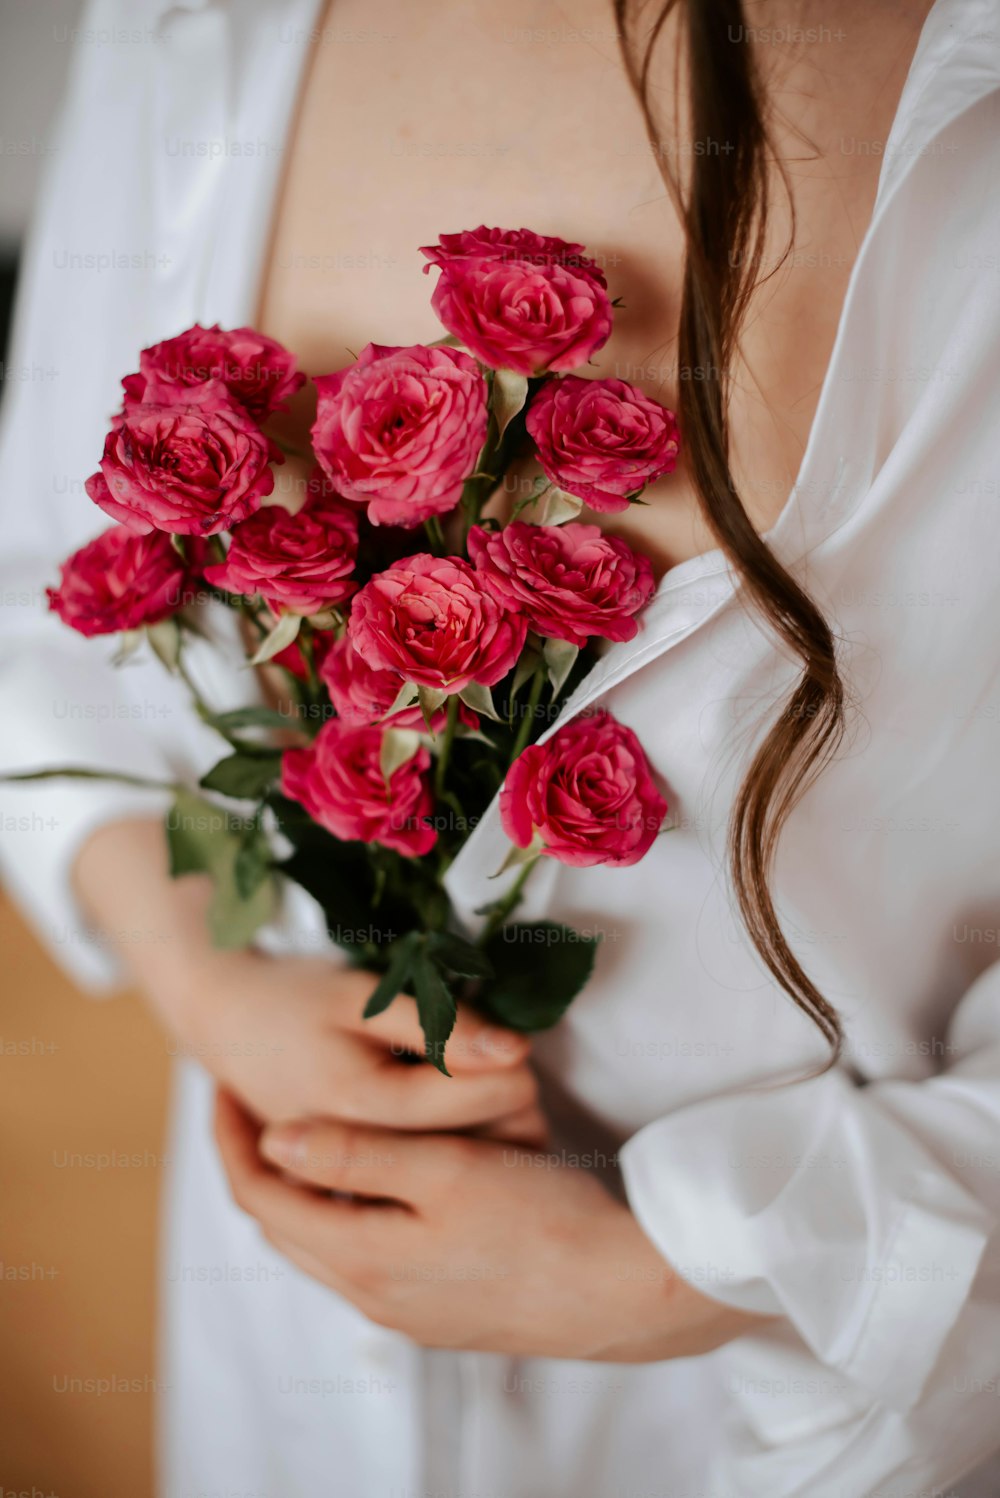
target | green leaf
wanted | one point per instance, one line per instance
(480, 699)
(165, 641)
(232, 920)
(326, 619)
(129, 642)
(436, 1008)
(540, 968)
(510, 391)
(398, 747)
(560, 658)
(253, 863)
(558, 507)
(528, 663)
(458, 955)
(284, 632)
(515, 858)
(243, 776)
(248, 717)
(473, 735)
(339, 876)
(405, 697)
(203, 839)
(396, 976)
(431, 701)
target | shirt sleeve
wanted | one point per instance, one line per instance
(861, 1214)
(61, 700)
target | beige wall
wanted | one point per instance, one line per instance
(78, 1079)
(82, 1082)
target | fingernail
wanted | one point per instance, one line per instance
(284, 1144)
(495, 1045)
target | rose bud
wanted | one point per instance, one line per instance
(339, 781)
(431, 620)
(362, 695)
(601, 440)
(547, 309)
(120, 581)
(292, 659)
(401, 430)
(257, 373)
(569, 581)
(586, 796)
(299, 563)
(193, 467)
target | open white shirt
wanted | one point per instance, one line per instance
(859, 1208)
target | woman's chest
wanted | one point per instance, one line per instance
(441, 119)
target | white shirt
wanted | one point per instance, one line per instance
(860, 1207)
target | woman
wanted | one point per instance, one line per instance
(733, 1272)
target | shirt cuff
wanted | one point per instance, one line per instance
(60, 707)
(810, 1202)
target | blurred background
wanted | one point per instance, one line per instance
(82, 1082)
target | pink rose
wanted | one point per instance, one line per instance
(258, 373)
(301, 563)
(512, 244)
(362, 695)
(120, 581)
(339, 781)
(569, 581)
(431, 620)
(586, 795)
(193, 467)
(545, 311)
(401, 430)
(601, 440)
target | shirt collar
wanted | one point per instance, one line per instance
(956, 63)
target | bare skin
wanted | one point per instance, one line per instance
(286, 1034)
(460, 117)
(414, 120)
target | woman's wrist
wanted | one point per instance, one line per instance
(122, 880)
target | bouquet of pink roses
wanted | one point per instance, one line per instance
(424, 641)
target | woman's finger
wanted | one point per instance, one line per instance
(345, 1235)
(528, 1128)
(474, 1045)
(419, 1098)
(374, 1163)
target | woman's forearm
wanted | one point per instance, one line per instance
(156, 924)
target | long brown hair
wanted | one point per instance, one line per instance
(724, 208)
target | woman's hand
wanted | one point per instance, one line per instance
(468, 1244)
(286, 1033)
(287, 1036)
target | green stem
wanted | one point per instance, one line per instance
(201, 707)
(290, 450)
(504, 907)
(528, 720)
(447, 740)
(80, 772)
(532, 499)
(305, 644)
(474, 496)
(206, 714)
(253, 613)
(435, 535)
